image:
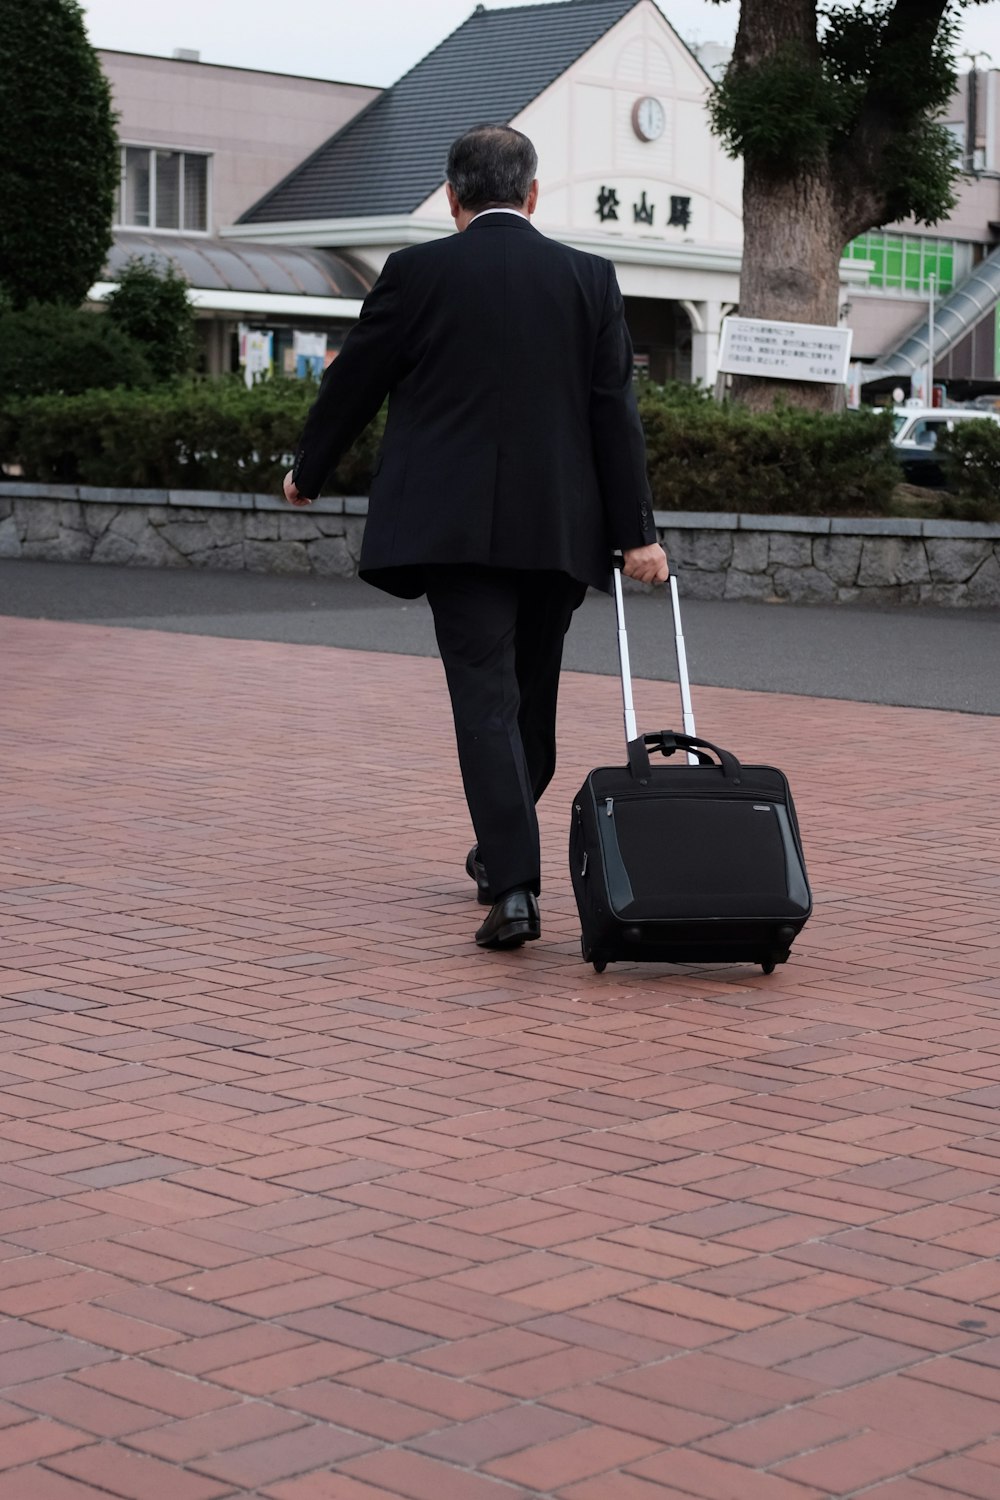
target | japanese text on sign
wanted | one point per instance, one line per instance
(785, 351)
(643, 212)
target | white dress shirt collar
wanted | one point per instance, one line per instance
(485, 211)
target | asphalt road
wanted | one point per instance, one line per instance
(922, 658)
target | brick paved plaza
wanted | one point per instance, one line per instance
(303, 1196)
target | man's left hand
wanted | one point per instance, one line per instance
(292, 494)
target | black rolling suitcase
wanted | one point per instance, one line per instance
(692, 863)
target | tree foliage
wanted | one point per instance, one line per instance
(835, 108)
(150, 305)
(58, 154)
(852, 90)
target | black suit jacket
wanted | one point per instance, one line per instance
(512, 438)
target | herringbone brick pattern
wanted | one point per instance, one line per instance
(302, 1196)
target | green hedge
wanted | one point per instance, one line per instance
(705, 456)
(51, 348)
(971, 461)
(193, 435)
(217, 434)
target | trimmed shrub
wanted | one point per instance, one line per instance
(192, 435)
(150, 305)
(709, 457)
(970, 456)
(49, 348)
(217, 434)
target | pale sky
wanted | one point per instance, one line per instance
(372, 41)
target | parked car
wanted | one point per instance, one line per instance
(915, 439)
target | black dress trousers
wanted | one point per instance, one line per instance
(500, 632)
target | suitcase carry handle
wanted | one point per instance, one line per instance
(667, 741)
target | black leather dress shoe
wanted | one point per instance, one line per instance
(512, 921)
(476, 870)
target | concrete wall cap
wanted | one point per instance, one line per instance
(813, 525)
(326, 505)
(875, 526)
(205, 499)
(978, 531)
(19, 489)
(696, 520)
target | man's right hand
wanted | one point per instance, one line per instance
(647, 564)
(291, 491)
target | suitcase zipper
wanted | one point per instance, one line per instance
(714, 791)
(579, 823)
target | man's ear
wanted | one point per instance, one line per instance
(531, 202)
(453, 202)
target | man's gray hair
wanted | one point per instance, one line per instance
(491, 165)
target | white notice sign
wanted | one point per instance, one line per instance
(785, 351)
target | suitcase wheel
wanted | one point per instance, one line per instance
(781, 956)
(589, 956)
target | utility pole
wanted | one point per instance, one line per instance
(931, 286)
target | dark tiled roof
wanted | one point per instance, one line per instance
(391, 156)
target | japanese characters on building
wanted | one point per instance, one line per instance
(675, 214)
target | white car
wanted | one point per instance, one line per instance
(915, 435)
(920, 425)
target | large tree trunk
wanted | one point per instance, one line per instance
(791, 271)
(796, 217)
(791, 229)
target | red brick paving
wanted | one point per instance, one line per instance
(302, 1196)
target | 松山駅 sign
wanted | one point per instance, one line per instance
(785, 351)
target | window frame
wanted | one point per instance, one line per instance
(152, 227)
(930, 255)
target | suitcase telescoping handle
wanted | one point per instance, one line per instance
(687, 712)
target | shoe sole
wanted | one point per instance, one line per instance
(511, 936)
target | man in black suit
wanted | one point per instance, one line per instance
(513, 464)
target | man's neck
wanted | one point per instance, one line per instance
(465, 216)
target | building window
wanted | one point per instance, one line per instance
(162, 189)
(905, 263)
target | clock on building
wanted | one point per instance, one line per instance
(648, 118)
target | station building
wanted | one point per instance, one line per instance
(280, 198)
(199, 145)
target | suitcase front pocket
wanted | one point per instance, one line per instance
(696, 856)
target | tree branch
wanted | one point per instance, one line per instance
(860, 163)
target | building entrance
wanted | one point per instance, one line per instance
(661, 338)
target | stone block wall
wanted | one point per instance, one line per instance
(793, 559)
(835, 560)
(180, 529)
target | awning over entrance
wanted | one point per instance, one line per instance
(245, 277)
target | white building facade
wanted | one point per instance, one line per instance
(628, 168)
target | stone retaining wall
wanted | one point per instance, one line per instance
(798, 559)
